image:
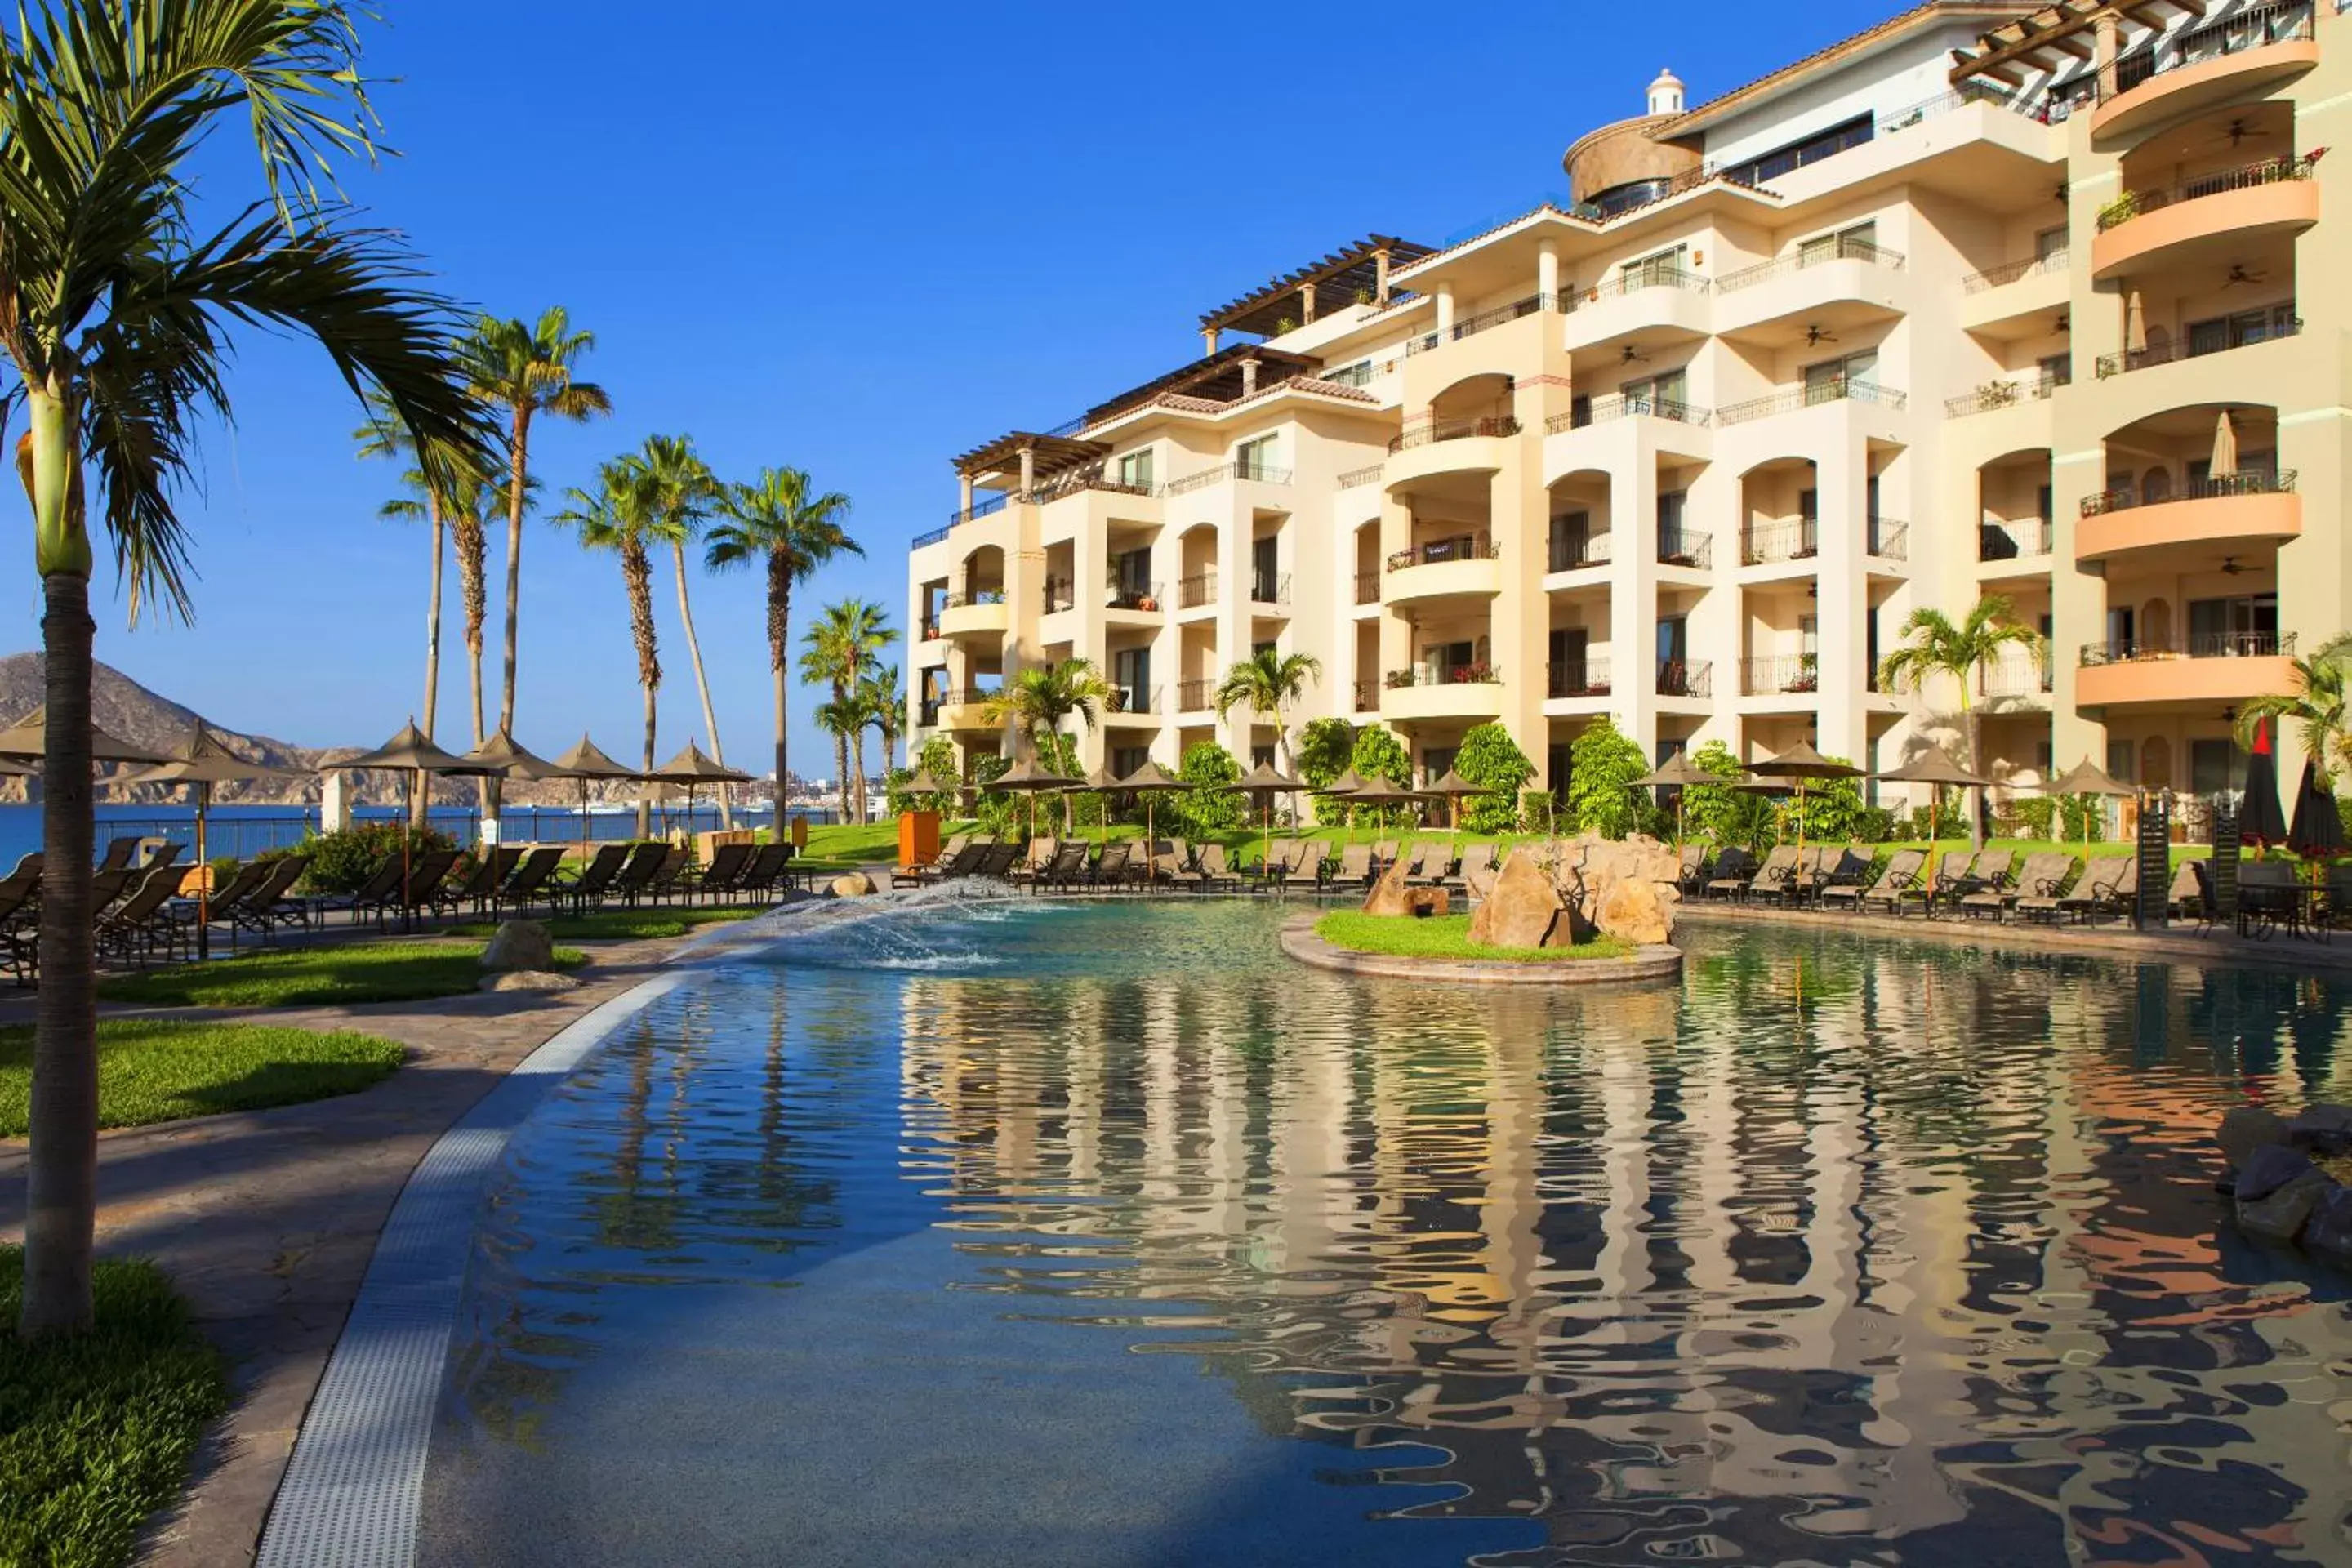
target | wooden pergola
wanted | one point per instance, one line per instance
(1332, 284)
(2072, 32)
(1029, 454)
(1219, 377)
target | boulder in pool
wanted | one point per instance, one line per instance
(1632, 911)
(2322, 1129)
(2268, 1169)
(2246, 1128)
(520, 945)
(1390, 895)
(2328, 1231)
(2281, 1215)
(854, 885)
(1525, 909)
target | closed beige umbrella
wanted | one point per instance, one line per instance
(2225, 448)
(2135, 325)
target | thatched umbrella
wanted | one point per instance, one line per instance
(1677, 773)
(585, 761)
(410, 752)
(1801, 763)
(1454, 789)
(692, 768)
(1935, 768)
(204, 762)
(26, 740)
(2088, 778)
(1029, 779)
(1262, 783)
(1381, 793)
(1151, 781)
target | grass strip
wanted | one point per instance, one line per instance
(311, 976)
(159, 1069)
(96, 1431)
(1447, 936)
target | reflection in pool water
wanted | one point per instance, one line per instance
(1020, 1235)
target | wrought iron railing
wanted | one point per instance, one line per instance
(1195, 696)
(1573, 553)
(1144, 597)
(973, 596)
(1842, 247)
(1693, 678)
(1261, 473)
(1632, 281)
(2281, 322)
(1422, 434)
(981, 507)
(2246, 482)
(2016, 675)
(1269, 588)
(1787, 538)
(1502, 315)
(1886, 539)
(2268, 172)
(2004, 393)
(2253, 28)
(2207, 645)
(1369, 474)
(1585, 676)
(1133, 699)
(2015, 538)
(1617, 405)
(1841, 389)
(2010, 271)
(1685, 547)
(1478, 673)
(1774, 675)
(933, 537)
(1195, 591)
(1435, 551)
(1368, 587)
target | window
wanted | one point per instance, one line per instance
(1265, 582)
(1256, 460)
(2049, 243)
(1860, 241)
(1435, 761)
(2119, 631)
(2242, 626)
(1135, 470)
(1809, 636)
(1674, 639)
(2057, 369)
(2120, 754)
(2236, 332)
(1571, 540)
(1667, 392)
(1259, 647)
(1131, 678)
(1133, 570)
(1262, 756)
(1357, 374)
(1797, 154)
(1665, 267)
(1555, 770)
(1827, 381)
(2213, 767)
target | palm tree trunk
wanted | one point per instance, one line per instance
(701, 685)
(518, 481)
(857, 772)
(1977, 795)
(841, 770)
(61, 1173)
(471, 589)
(418, 813)
(646, 796)
(780, 641)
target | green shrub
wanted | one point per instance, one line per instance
(1379, 754)
(1209, 807)
(1490, 757)
(1539, 811)
(937, 755)
(1832, 811)
(2083, 818)
(342, 861)
(1325, 748)
(1603, 764)
(1717, 811)
(2035, 815)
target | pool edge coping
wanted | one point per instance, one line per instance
(352, 1489)
(1647, 965)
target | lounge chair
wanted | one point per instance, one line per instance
(382, 887)
(1691, 871)
(595, 879)
(119, 852)
(1996, 897)
(143, 925)
(996, 860)
(1775, 876)
(480, 881)
(1733, 870)
(275, 902)
(221, 905)
(1304, 860)
(1353, 870)
(770, 875)
(1068, 868)
(1901, 870)
(166, 852)
(723, 877)
(2108, 887)
(1038, 855)
(1478, 881)
(19, 948)
(963, 863)
(1384, 855)
(2039, 885)
(1169, 860)
(1210, 870)
(1111, 871)
(1430, 862)
(2268, 898)
(634, 880)
(1949, 882)
(532, 882)
(426, 872)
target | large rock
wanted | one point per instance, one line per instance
(1525, 909)
(1589, 871)
(852, 885)
(2329, 1228)
(2246, 1128)
(1632, 911)
(2281, 1216)
(528, 980)
(519, 944)
(1390, 895)
(2268, 1169)
(2322, 1129)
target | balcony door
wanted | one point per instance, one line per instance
(1571, 537)
(1130, 674)
(1264, 580)
(2244, 624)
(1568, 665)
(1668, 391)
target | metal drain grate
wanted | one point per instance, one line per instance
(356, 1478)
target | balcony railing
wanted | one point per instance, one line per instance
(934, 537)
(1269, 590)
(2248, 29)
(1368, 587)
(1133, 699)
(1478, 673)
(1471, 326)
(1368, 696)
(1840, 390)
(1261, 473)
(1691, 677)
(1452, 430)
(965, 696)
(1886, 539)
(1368, 475)
(1842, 248)
(1774, 675)
(1616, 405)
(2281, 322)
(973, 596)
(2269, 172)
(2015, 677)
(977, 508)
(2012, 271)
(1195, 696)
(1586, 676)
(2011, 541)
(2249, 482)
(1434, 551)
(1145, 597)
(1683, 547)
(1061, 593)
(1794, 539)
(2004, 393)
(1573, 553)
(1632, 281)
(2209, 644)
(1193, 592)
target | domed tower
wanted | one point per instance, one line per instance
(1621, 166)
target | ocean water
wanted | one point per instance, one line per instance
(1009, 1232)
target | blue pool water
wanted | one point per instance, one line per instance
(1009, 1234)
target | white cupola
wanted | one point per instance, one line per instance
(1667, 94)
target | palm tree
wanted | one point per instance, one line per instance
(780, 522)
(1934, 645)
(1266, 682)
(685, 492)
(383, 436)
(838, 651)
(841, 717)
(622, 515)
(2320, 707)
(524, 372)
(885, 712)
(117, 307)
(1036, 700)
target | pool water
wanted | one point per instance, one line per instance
(1018, 1233)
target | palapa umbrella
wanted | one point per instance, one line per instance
(1149, 781)
(27, 740)
(1935, 768)
(585, 761)
(1341, 788)
(204, 762)
(2317, 830)
(1677, 773)
(1379, 792)
(410, 752)
(1101, 782)
(2225, 448)
(1031, 780)
(1801, 763)
(692, 768)
(2259, 822)
(1263, 783)
(2088, 778)
(1454, 789)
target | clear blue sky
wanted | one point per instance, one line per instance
(855, 239)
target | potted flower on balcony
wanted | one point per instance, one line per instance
(1478, 673)
(1397, 679)
(1809, 674)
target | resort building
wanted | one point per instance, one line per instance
(1992, 299)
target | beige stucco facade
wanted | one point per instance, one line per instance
(1875, 332)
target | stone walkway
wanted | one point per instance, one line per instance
(265, 1220)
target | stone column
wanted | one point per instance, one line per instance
(1381, 275)
(1028, 470)
(1840, 478)
(1547, 274)
(1444, 309)
(1633, 598)
(1249, 376)
(1306, 304)
(1208, 341)
(963, 485)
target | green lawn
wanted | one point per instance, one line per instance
(1446, 936)
(153, 1069)
(296, 977)
(622, 925)
(96, 1431)
(854, 843)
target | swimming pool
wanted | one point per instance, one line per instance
(1021, 1233)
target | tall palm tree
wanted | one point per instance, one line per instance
(2320, 707)
(685, 492)
(842, 716)
(1036, 700)
(1933, 645)
(622, 515)
(118, 298)
(384, 437)
(1268, 682)
(885, 712)
(838, 651)
(524, 371)
(780, 521)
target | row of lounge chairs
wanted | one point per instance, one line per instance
(2049, 886)
(1049, 864)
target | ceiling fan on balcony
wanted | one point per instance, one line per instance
(2239, 273)
(2231, 566)
(1632, 355)
(1816, 335)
